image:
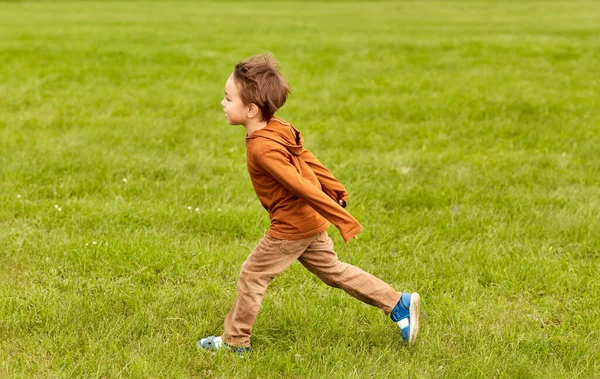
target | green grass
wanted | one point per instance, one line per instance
(467, 134)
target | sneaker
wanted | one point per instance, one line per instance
(213, 343)
(406, 315)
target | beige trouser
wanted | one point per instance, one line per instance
(272, 256)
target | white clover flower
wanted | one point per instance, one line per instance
(59, 209)
(190, 208)
(18, 196)
(197, 209)
(94, 243)
(56, 206)
(124, 180)
(219, 209)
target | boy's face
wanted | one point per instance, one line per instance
(236, 112)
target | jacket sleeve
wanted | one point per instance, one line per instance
(277, 164)
(331, 186)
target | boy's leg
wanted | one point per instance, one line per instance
(268, 259)
(320, 259)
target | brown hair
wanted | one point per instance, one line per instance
(260, 82)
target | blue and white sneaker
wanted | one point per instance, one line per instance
(213, 343)
(406, 315)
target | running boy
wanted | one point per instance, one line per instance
(302, 198)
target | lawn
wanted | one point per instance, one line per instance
(466, 132)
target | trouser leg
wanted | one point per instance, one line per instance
(320, 259)
(269, 258)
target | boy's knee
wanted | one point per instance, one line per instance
(331, 275)
(338, 272)
(254, 277)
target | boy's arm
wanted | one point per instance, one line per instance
(276, 163)
(331, 186)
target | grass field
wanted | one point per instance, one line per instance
(467, 134)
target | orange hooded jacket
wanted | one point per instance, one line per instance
(300, 194)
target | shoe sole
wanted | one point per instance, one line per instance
(414, 309)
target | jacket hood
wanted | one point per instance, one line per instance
(283, 133)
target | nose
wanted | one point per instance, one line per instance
(223, 103)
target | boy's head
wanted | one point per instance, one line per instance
(256, 88)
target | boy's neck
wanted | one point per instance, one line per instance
(253, 125)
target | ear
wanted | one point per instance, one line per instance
(252, 110)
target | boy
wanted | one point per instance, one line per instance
(302, 198)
